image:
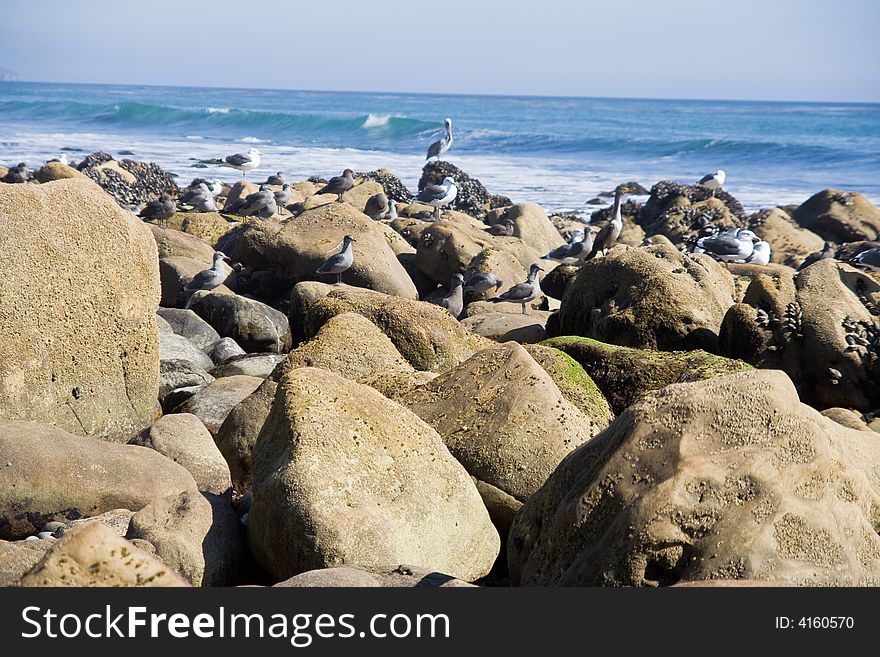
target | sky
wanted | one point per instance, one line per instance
(809, 50)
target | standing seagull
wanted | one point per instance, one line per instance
(713, 181)
(575, 251)
(392, 210)
(244, 162)
(454, 301)
(524, 292)
(438, 195)
(730, 245)
(340, 262)
(339, 185)
(607, 237)
(207, 279)
(161, 210)
(826, 252)
(377, 206)
(869, 259)
(443, 144)
(282, 196)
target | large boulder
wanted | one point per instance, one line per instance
(207, 226)
(821, 327)
(174, 243)
(530, 224)
(295, 250)
(504, 418)
(624, 374)
(504, 327)
(181, 365)
(128, 181)
(184, 439)
(335, 483)
(251, 323)
(346, 576)
(727, 478)
(653, 297)
(260, 365)
(790, 244)
(48, 474)
(197, 535)
(94, 555)
(80, 347)
(213, 403)
(839, 216)
(426, 335)
(688, 211)
(185, 322)
(56, 170)
(472, 197)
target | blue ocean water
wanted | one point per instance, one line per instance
(555, 151)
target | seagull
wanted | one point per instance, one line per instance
(869, 259)
(524, 292)
(161, 210)
(730, 245)
(261, 203)
(443, 144)
(392, 210)
(277, 179)
(760, 254)
(282, 196)
(503, 228)
(207, 279)
(482, 282)
(454, 301)
(607, 237)
(339, 185)
(713, 181)
(438, 195)
(17, 174)
(244, 162)
(377, 206)
(826, 252)
(193, 191)
(204, 203)
(215, 187)
(574, 252)
(340, 262)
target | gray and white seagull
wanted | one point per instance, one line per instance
(339, 262)
(610, 233)
(454, 301)
(869, 259)
(438, 196)
(482, 282)
(729, 245)
(244, 162)
(525, 292)
(261, 204)
(443, 144)
(338, 185)
(713, 181)
(207, 279)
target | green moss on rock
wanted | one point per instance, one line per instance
(624, 374)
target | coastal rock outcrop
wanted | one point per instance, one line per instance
(839, 216)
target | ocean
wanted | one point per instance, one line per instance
(559, 152)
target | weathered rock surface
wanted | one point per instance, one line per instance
(252, 324)
(77, 312)
(238, 434)
(839, 216)
(345, 576)
(212, 403)
(728, 478)
(186, 323)
(653, 297)
(335, 483)
(93, 555)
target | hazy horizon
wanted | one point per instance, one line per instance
(679, 49)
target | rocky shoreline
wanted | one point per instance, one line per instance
(655, 417)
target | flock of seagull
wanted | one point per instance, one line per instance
(737, 245)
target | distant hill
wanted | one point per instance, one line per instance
(8, 76)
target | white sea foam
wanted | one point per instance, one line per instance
(217, 110)
(254, 140)
(374, 121)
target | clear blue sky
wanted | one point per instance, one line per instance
(820, 50)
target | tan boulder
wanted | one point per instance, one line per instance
(213, 403)
(653, 297)
(504, 327)
(335, 484)
(238, 434)
(504, 418)
(78, 310)
(347, 576)
(173, 243)
(56, 171)
(93, 555)
(239, 191)
(727, 478)
(530, 224)
(790, 244)
(839, 216)
(207, 226)
(55, 475)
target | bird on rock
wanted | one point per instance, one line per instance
(244, 162)
(377, 206)
(524, 292)
(161, 210)
(339, 185)
(869, 259)
(438, 196)
(503, 228)
(454, 301)
(481, 282)
(713, 181)
(275, 179)
(340, 262)
(260, 203)
(730, 245)
(760, 254)
(826, 252)
(207, 279)
(443, 144)
(610, 233)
